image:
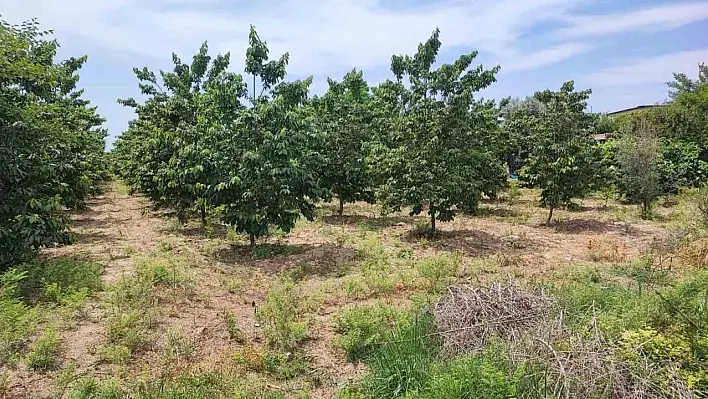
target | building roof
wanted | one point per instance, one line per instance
(637, 108)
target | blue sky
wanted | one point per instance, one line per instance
(624, 50)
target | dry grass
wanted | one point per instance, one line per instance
(607, 249)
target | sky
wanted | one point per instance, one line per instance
(625, 51)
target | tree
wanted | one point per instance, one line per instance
(343, 118)
(515, 131)
(169, 148)
(563, 161)
(51, 143)
(264, 151)
(639, 155)
(436, 154)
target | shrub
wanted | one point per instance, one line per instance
(363, 327)
(44, 352)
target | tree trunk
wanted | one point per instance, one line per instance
(341, 206)
(202, 210)
(432, 221)
(252, 239)
(550, 215)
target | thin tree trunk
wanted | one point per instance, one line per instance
(202, 210)
(432, 221)
(341, 206)
(550, 215)
(252, 239)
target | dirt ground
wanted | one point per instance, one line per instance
(502, 241)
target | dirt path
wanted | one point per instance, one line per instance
(114, 226)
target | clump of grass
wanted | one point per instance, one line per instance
(233, 285)
(606, 249)
(402, 364)
(469, 377)
(177, 346)
(282, 317)
(235, 333)
(285, 326)
(363, 327)
(379, 274)
(439, 270)
(49, 281)
(159, 271)
(131, 307)
(44, 352)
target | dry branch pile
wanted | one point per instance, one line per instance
(466, 317)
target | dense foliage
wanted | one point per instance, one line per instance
(343, 118)
(563, 160)
(437, 154)
(51, 152)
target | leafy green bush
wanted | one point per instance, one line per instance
(362, 327)
(44, 352)
(52, 143)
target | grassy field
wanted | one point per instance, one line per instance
(143, 307)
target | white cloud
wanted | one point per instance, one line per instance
(651, 70)
(661, 17)
(318, 34)
(326, 35)
(547, 56)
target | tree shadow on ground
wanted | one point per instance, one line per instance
(299, 261)
(580, 226)
(472, 243)
(369, 223)
(495, 212)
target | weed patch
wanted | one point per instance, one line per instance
(440, 270)
(362, 328)
(44, 352)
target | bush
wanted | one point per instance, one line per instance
(363, 327)
(44, 352)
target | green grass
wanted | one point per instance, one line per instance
(402, 365)
(185, 386)
(363, 327)
(44, 352)
(63, 276)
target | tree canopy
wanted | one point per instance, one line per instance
(51, 155)
(435, 155)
